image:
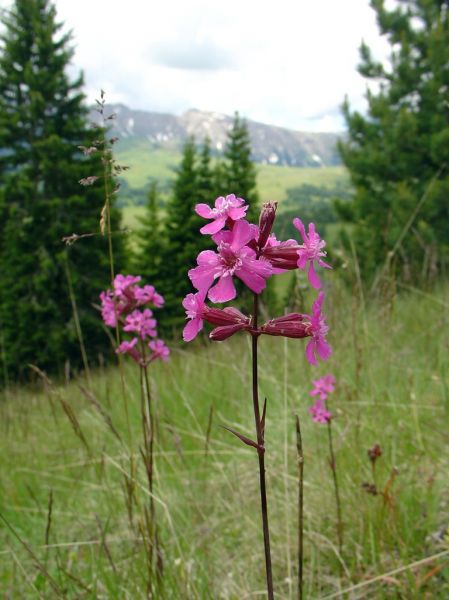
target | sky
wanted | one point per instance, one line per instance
(285, 62)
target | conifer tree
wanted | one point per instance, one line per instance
(42, 125)
(239, 170)
(181, 233)
(148, 260)
(398, 154)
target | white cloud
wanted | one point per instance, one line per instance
(288, 62)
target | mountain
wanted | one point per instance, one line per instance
(271, 145)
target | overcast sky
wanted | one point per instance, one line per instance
(284, 62)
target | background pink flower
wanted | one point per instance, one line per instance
(225, 208)
(311, 251)
(323, 386)
(319, 412)
(318, 328)
(160, 350)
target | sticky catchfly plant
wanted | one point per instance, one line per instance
(253, 254)
(322, 387)
(126, 307)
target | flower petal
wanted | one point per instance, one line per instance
(214, 226)
(192, 329)
(310, 352)
(315, 281)
(255, 282)
(204, 210)
(242, 233)
(202, 277)
(223, 291)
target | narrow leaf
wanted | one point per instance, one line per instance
(246, 440)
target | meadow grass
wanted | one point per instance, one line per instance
(66, 532)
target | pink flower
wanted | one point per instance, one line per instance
(148, 294)
(109, 311)
(234, 257)
(122, 283)
(141, 322)
(323, 386)
(159, 349)
(319, 412)
(129, 348)
(225, 208)
(310, 251)
(318, 330)
(194, 305)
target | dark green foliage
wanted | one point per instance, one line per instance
(239, 171)
(311, 204)
(183, 240)
(398, 154)
(148, 260)
(42, 123)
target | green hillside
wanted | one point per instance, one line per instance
(273, 181)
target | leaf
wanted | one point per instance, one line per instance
(262, 420)
(246, 440)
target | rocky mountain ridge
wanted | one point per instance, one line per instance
(270, 144)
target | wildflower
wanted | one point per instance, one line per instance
(234, 257)
(148, 294)
(318, 330)
(129, 348)
(159, 349)
(194, 305)
(311, 251)
(109, 310)
(123, 285)
(323, 386)
(225, 208)
(319, 412)
(141, 322)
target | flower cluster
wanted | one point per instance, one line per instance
(322, 388)
(253, 254)
(126, 306)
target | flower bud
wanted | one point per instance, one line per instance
(266, 221)
(293, 325)
(223, 333)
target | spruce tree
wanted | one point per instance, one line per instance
(239, 171)
(42, 125)
(182, 235)
(150, 240)
(398, 154)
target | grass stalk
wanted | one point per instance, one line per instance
(333, 466)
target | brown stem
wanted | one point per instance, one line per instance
(300, 507)
(333, 466)
(261, 455)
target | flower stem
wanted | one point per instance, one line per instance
(333, 466)
(261, 455)
(300, 508)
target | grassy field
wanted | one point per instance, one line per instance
(66, 532)
(272, 181)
